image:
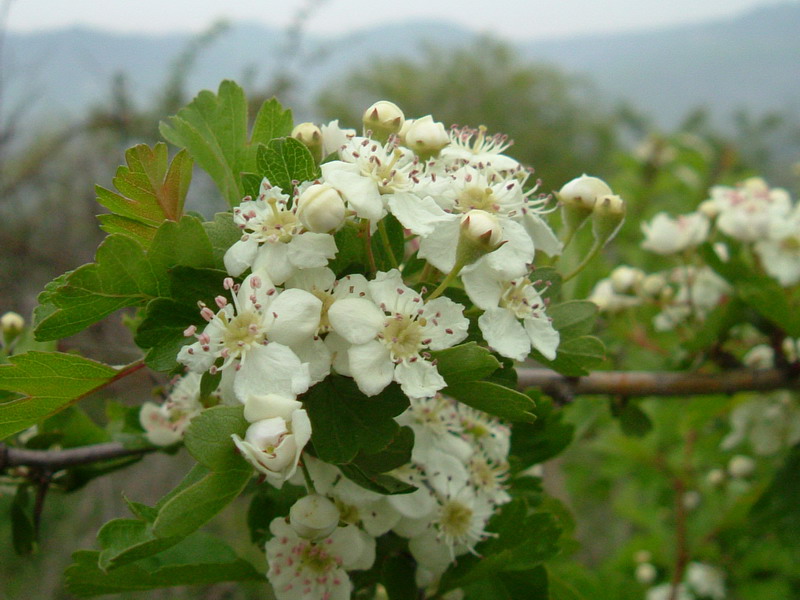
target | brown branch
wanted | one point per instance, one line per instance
(644, 383)
(53, 460)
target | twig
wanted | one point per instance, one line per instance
(646, 383)
(53, 460)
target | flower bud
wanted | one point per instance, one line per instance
(625, 279)
(646, 573)
(741, 466)
(11, 326)
(643, 556)
(320, 208)
(383, 119)
(480, 234)
(715, 477)
(311, 137)
(607, 218)
(426, 137)
(314, 517)
(652, 285)
(578, 198)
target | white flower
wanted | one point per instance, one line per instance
(165, 424)
(646, 573)
(505, 304)
(664, 592)
(436, 425)
(334, 138)
(301, 569)
(274, 239)
(741, 466)
(474, 147)
(665, 235)
(273, 445)
(746, 211)
(390, 343)
(370, 173)
(608, 300)
(253, 335)
(705, 580)
(780, 250)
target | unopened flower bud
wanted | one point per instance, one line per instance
(480, 234)
(691, 499)
(741, 466)
(320, 208)
(383, 119)
(314, 517)
(646, 573)
(311, 137)
(11, 324)
(715, 477)
(426, 137)
(624, 279)
(652, 285)
(607, 218)
(578, 198)
(643, 556)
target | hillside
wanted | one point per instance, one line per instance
(750, 61)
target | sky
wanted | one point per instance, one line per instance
(514, 19)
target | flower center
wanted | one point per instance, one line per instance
(515, 298)
(455, 519)
(242, 332)
(279, 226)
(316, 559)
(476, 197)
(403, 335)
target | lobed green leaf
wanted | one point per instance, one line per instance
(494, 399)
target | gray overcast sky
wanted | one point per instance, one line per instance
(513, 18)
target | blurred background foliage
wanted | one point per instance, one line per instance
(626, 489)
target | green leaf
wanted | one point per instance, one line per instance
(272, 121)
(285, 160)
(467, 362)
(213, 129)
(376, 482)
(49, 382)
(151, 191)
(543, 439)
(388, 258)
(200, 502)
(523, 542)
(127, 540)
(573, 318)
(223, 233)
(494, 399)
(777, 510)
(576, 356)
(122, 275)
(523, 585)
(23, 533)
(632, 419)
(768, 298)
(395, 455)
(397, 576)
(208, 438)
(198, 560)
(344, 421)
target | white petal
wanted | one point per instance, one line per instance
(240, 256)
(391, 294)
(274, 260)
(360, 193)
(512, 258)
(482, 286)
(439, 248)
(418, 379)
(314, 352)
(311, 249)
(357, 320)
(320, 278)
(371, 366)
(293, 317)
(446, 324)
(260, 407)
(338, 347)
(415, 213)
(543, 237)
(542, 335)
(271, 369)
(504, 333)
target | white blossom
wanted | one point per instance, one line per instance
(665, 235)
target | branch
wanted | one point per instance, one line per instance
(644, 383)
(53, 460)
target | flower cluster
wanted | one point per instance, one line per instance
(287, 319)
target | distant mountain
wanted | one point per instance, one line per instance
(751, 61)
